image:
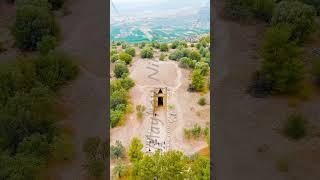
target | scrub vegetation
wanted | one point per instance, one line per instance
(31, 135)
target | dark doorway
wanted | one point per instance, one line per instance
(160, 101)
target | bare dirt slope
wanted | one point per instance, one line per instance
(84, 37)
(244, 124)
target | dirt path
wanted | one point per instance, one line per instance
(244, 124)
(84, 37)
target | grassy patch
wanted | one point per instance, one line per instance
(140, 110)
(295, 127)
(202, 101)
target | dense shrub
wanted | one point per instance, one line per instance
(155, 44)
(202, 101)
(125, 57)
(28, 120)
(147, 53)
(198, 81)
(117, 150)
(194, 132)
(20, 166)
(203, 67)
(120, 70)
(162, 57)
(33, 22)
(36, 145)
(176, 55)
(142, 45)
(124, 45)
(263, 9)
(131, 51)
(300, 16)
(115, 117)
(164, 47)
(167, 165)
(295, 127)
(187, 62)
(314, 3)
(120, 170)
(119, 99)
(113, 52)
(55, 69)
(140, 110)
(135, 150)
(195, 55)
(175, 44)
(203, 51)
(281, 65)
(47, 44)
(200, 167)
(114, 58)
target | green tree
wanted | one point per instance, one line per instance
(187, 62)
(131, 51)
(203, 67)
(155, 44)
(281, 64)
(20, 167)
(176, 55)
(120, 70)
(118, 99)
(164, 47)
(162, 57)
(200, 168)
(125, 57)
(56, 69)
(299, 15)
(36, 145)
(117, 150)
(120, 170)
(202, 101)
(147, 53)
(113, 52)
(263, 9)
(47, 44)
(168, 165)
(114, 58)
(32, 24)
(115, 117)
(198, 80)
(135, 151)
(195, 55)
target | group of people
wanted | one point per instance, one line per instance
(153, 143)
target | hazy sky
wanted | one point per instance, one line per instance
(157, 7)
